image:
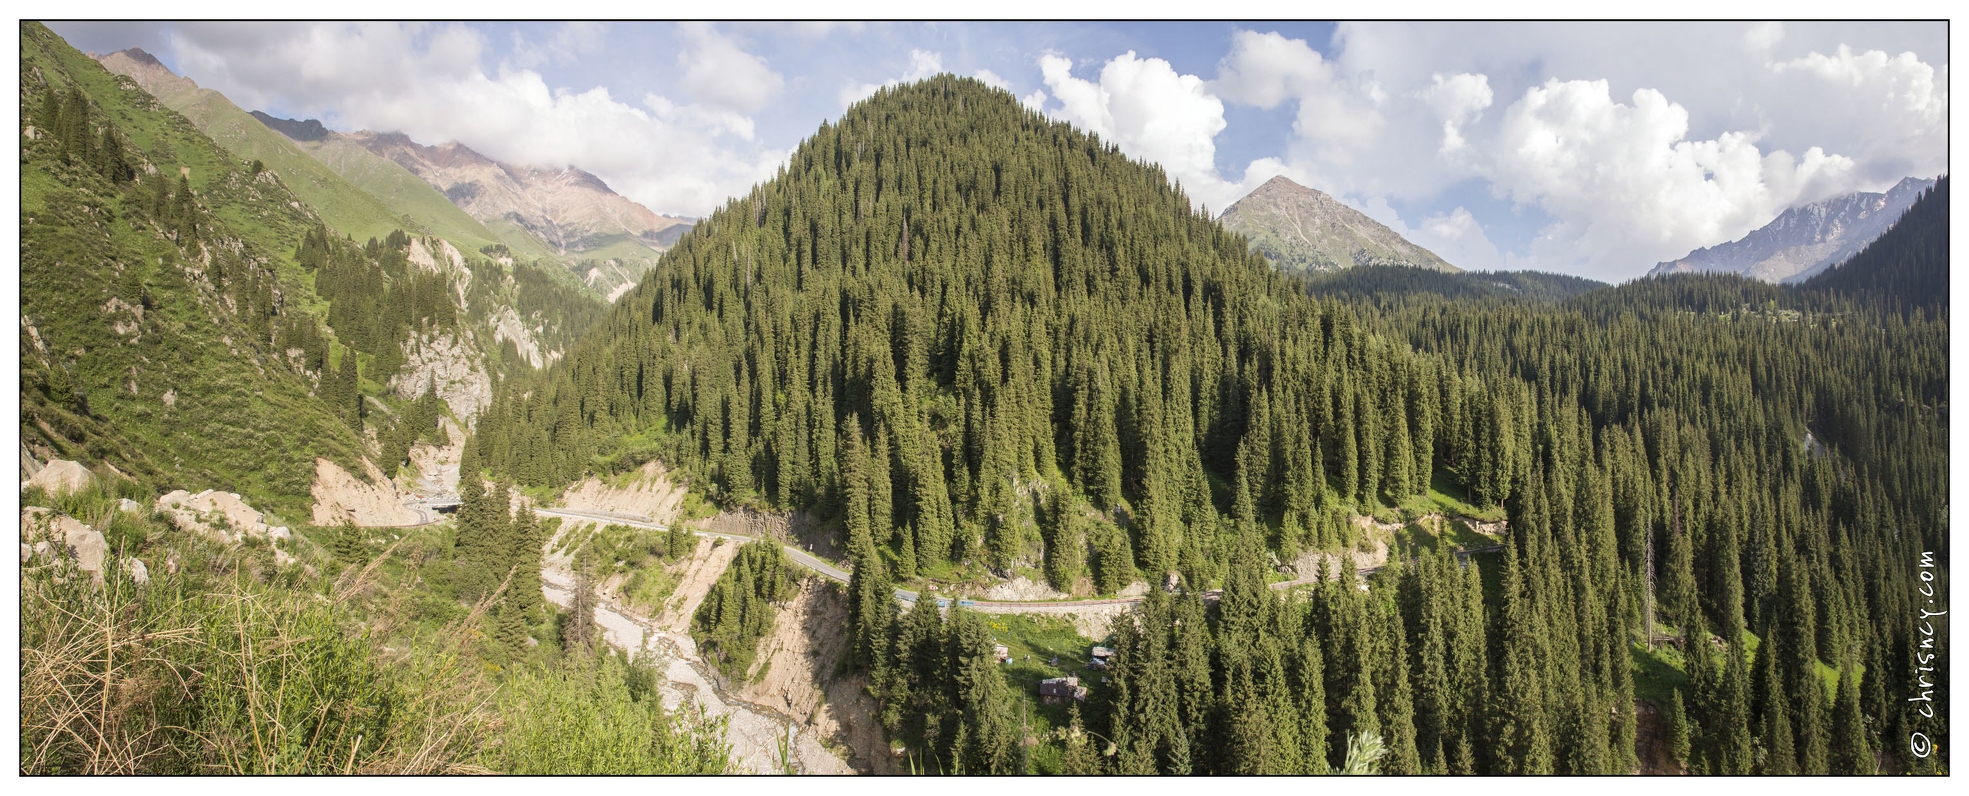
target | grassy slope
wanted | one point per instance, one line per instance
(240, 421)
(523, 244)
(402, 191)
(344, 207)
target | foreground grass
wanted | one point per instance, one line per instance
(226, 662)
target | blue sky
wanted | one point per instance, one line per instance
(1588, 148)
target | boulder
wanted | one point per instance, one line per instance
(32, 518)
(129, 506)
(86, 544)
(61, 476)
(139, 574)
(220, 515)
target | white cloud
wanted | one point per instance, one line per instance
(1148, 110)
(992, 79)
(1624, 184)
(718, 72)
(567, 44)
(1454, 236)
(426, 81)
(1457, 237)
(1890, 112)
(1265, 69)
(922, 64)
(1763, 36)
(1405, 111)
(1459, 100)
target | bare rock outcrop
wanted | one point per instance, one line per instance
(45, 532)
(61, 476)
(436, 467)
(799, 673)
(646, 493)
(507, 325)
(1024, 589)
(449, 364)
(340, 496)
(442, 259)
(139, 574)
(221, 516)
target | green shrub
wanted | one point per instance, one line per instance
(601, 715)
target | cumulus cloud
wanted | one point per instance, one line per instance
(1146, 108)
(1457, 237)
(1265, 69)
(1761, 37)
(1459, 99)
(1891, 112)
(992, 79)
(428, 82)
(922, 64)
(1625, 185)
(718, 72)
(1634, 141)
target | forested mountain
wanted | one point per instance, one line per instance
(190, 321)
(1803, 241)
(982, 339)
(1388, 282)
(1905, 268)
(1304, 230)
(156, 292)
(977, 345)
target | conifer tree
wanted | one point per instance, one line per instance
(1675, 726)
(1851, 753)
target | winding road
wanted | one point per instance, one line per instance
(426, 509)
(837, 574)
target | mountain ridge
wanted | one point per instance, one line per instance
(346, 207)
(572, 212)
(1804, 240)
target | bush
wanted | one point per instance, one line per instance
(601, 714)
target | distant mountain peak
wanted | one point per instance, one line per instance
(137, 54)
(1304, 229)
(1804, 240)
(309, 130)
(571, 211)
